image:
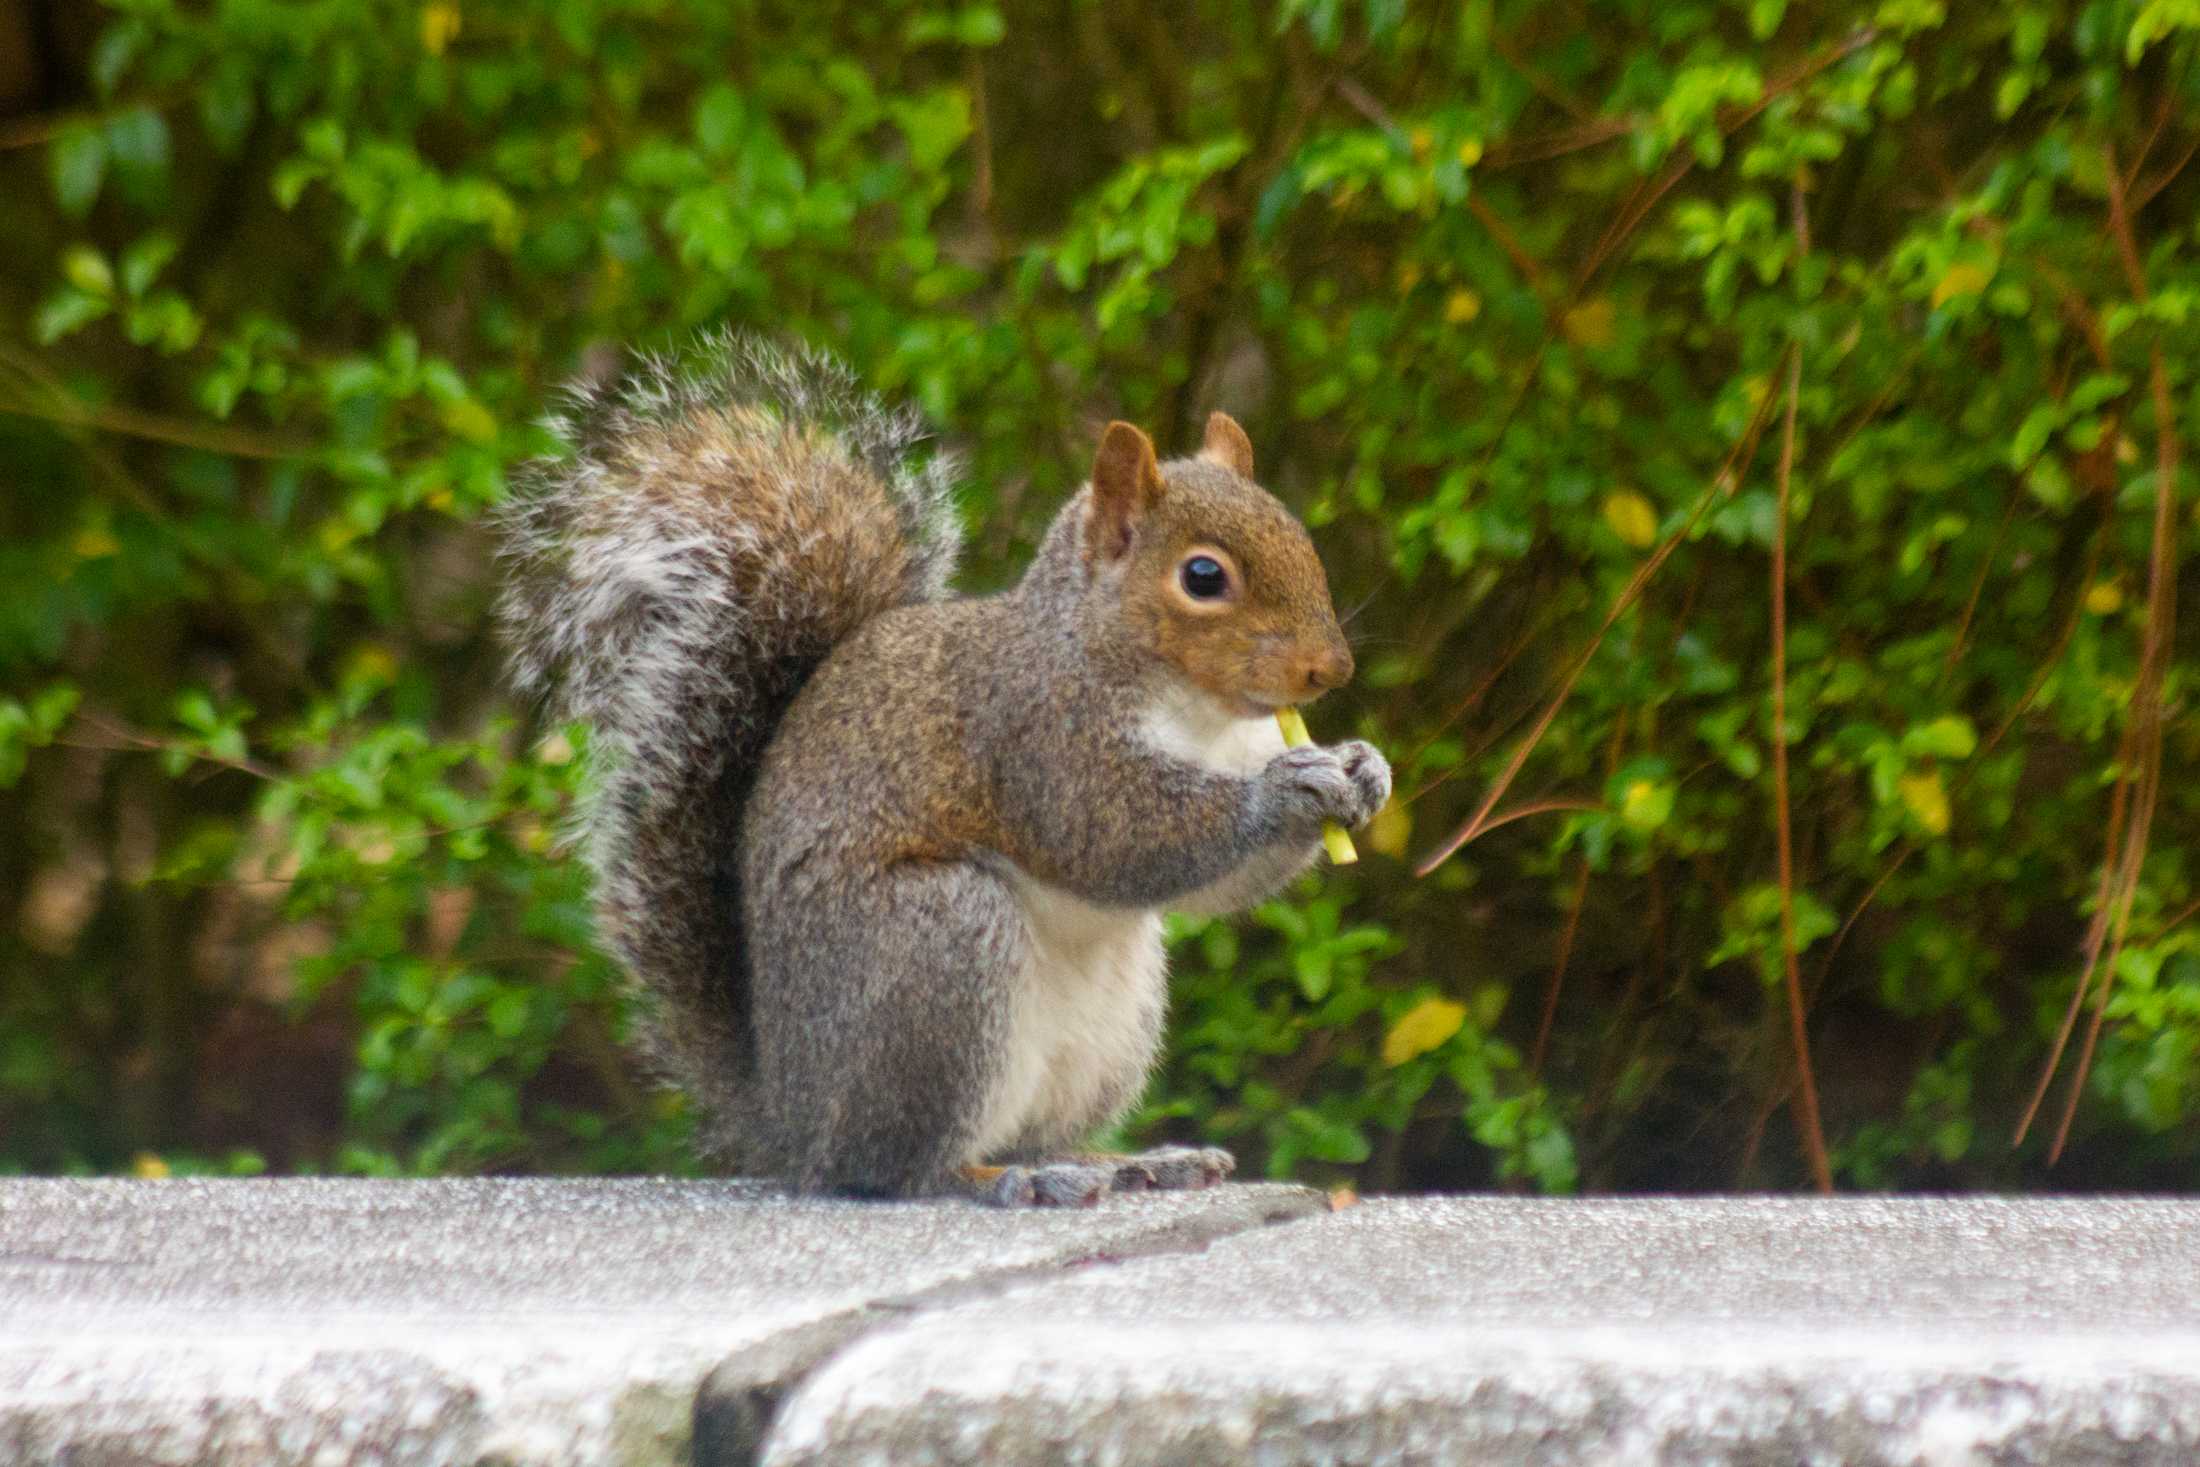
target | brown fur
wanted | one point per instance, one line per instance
(837, 809)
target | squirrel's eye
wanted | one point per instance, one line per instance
(1204, 578)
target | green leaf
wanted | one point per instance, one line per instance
(87, 269)
(980, 26)
(112, 54)
(77, 162)
(721, 119)
(65, 312)
(143, 261)
(228, 105)
(1948, 737)
(138, 141)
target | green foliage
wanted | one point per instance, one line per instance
(1506, 295)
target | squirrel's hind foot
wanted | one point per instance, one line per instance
(1170, 1169)
(1081, 1181)
(1044, 1184)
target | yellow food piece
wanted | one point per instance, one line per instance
(1334, 840)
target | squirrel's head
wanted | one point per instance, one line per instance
(1214, 576)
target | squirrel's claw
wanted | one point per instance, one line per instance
(1173, 1169)
(1050, 1184)
(1345, 782)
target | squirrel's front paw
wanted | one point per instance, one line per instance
(1369, 772)
(1345, 782)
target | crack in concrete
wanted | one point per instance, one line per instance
(737, 1401)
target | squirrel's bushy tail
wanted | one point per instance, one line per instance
(725, 518)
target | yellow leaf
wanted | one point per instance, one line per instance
(1592, 323)
(2104, 598)
(145, 1164)
(1390, 830)
(438, 26)
(1422, 140)
(470, 420)
(1963, 278)
(1462, 306)
(1425, 1026)
(1633, 518)
(374, 664)
(1645, 804)
(93, 543)
(1470, 152)
(1926, 798)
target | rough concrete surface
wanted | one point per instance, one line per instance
(519, 1322)
(1494, 1331)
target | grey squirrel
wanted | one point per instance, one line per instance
(887, 864)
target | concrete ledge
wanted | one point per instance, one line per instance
(641, 1321)
(1487, 1331)
(521, 1322)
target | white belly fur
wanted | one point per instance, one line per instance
(1187, 724)
(1088, 1011)
(1086, 1021)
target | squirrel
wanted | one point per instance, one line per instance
(887, 865)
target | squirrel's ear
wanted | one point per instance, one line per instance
(1126, 482)
(1226, 444)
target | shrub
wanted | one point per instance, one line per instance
(1620, 355)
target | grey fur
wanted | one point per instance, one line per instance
(834, 808)
(635, 603)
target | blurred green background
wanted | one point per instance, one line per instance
(1574, 328)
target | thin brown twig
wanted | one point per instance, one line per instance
(1541, 84)
(1574, 908)
(1987, 745)
(1530, 269)
(1557, 981)
(1542, 147)
(1806, 1091)
(1645, 198)
(2144, 194)
(1532, 807)
(1467, 704)
(1724, 481)
(1978, 588)
(122, 740)
(59, 406)
(2178, 919)
(2154, 134)
(2096, 935)
(2146, 694)
(2139, 751)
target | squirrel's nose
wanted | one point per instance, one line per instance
(1331, 667)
